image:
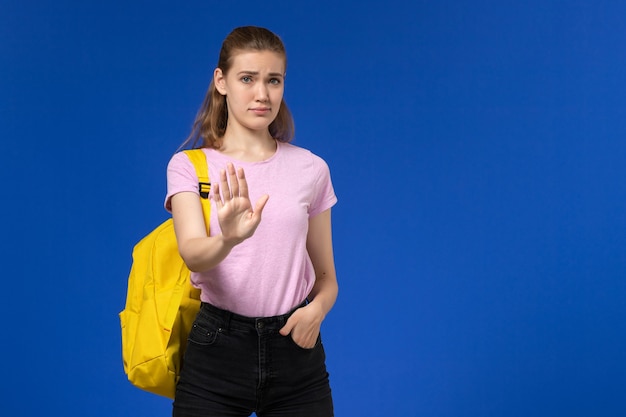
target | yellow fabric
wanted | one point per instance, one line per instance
(161, 303)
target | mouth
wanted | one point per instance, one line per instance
(260, 110)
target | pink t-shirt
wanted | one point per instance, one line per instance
(271, 272)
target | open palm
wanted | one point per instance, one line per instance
(238, 220)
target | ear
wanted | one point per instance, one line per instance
(219, 81)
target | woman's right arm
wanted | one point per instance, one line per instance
(199, 251)
(237, 219)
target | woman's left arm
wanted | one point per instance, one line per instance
(304, 324)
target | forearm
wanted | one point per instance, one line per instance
(320, 249)
(199, 251)
(324, 292)
(203, 253)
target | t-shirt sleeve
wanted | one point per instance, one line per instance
(181, 176)
(324, 196)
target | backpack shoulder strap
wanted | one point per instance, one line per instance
(198, 158)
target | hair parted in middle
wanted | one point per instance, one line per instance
(210, 123)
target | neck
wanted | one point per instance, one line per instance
(248, 146)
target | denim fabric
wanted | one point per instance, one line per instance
(236, 365)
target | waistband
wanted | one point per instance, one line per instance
(257, 322)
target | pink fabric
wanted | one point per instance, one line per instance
(270, 273)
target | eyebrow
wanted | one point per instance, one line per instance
(271, 74)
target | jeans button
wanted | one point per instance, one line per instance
(260, 325)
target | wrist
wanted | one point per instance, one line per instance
(229, 242)
(319, 307)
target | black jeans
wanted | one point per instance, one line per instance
(237, 365)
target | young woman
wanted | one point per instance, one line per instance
(266, 270)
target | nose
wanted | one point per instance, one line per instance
(262, 93)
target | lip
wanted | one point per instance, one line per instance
(260, 110)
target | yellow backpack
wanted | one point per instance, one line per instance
(161, 303)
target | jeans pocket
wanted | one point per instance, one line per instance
(318, 342)
(204, 333)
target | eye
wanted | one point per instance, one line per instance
(246, 79)
(274, 81)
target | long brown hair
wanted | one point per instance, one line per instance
(210, 124)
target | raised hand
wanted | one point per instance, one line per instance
(238, 220)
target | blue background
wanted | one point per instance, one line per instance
(477, 149)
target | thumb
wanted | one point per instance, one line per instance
(260, 204)
(288, 327)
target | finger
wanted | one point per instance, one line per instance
(243, 183)
(260, 204)
(217, 198)
(232, 179)
(288, 327)
(226, 194)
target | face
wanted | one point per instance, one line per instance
(253, 87)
